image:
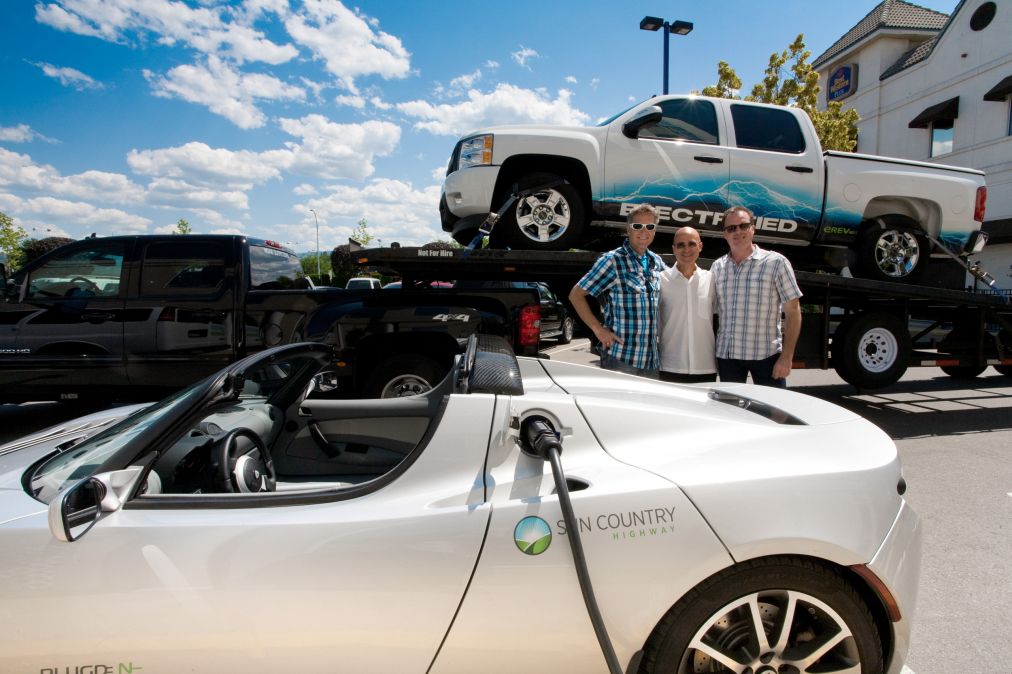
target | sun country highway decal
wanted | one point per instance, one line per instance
(630, 524)
(532, 535)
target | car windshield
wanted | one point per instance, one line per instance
(84, 460)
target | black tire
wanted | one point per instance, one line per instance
(871, 350)
(720, 612)
(566, 336)
(552, 219)
(963, 371)
(403, 375)
(891, 250)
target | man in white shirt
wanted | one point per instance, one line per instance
(685, 315)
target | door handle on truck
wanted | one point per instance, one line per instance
(98, 316)
(708, 160)
(800, 169)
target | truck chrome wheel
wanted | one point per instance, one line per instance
(549, 219)
(897, 253)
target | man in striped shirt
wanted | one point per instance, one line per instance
(753, 287)
(625, 282)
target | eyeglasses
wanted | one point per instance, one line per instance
(687, 244)
(640, 225)
(731, 229)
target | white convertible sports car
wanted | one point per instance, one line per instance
(523, 516)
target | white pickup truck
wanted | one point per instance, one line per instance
(692, 157)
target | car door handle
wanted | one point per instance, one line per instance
(98, 316)
(800, 169)
(708, 160)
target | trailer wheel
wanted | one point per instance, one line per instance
(871, 350)
(552, 219)
(892, 250)
(963, 371)
(961, 342)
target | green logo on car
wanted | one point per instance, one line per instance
(532, 535)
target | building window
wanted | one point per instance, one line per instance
(982, 17)
(941, 137)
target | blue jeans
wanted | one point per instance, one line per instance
(733, 370)
(612, 363)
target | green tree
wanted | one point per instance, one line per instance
(183, 227)
(361, 233)
(789, 79)
(11, 236)
(35, 248)
(342, 266)
(309, 266)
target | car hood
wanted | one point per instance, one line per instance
(17, 455)
(782, 457)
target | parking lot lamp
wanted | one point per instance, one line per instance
(666, 27)
(319, 274)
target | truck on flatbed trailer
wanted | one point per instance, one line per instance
(869, 331)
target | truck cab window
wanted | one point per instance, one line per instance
(94, 271)
(183, 267)
(685, 119)
(761, 128)
(275, 269)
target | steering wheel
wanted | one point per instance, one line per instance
(86, 282)
(243, 474)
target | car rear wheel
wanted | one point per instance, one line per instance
(871, 350)
(549, 219)
(769, 616)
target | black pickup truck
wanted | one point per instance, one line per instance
(129, 317)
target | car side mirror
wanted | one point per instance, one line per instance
(651, 115)
(77, 509)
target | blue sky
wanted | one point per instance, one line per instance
(122, 116)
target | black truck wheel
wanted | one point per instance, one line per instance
(549, 219)
(891, 250)
(961, 342)
(871, 350)
(403, 375)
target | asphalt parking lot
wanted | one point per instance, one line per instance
(955, 438)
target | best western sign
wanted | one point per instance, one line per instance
(842, 83)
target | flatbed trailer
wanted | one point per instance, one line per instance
(870, 332)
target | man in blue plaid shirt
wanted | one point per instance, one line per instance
(753, 287)
(626, 283)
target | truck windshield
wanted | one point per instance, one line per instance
(275, 269)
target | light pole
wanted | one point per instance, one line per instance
(319, 274)
(676, 27)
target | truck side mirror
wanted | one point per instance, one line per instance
(651, 115)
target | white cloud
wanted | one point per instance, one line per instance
(439, 173)
(204, 29)
(69, 77)
(466, 81)
(380, 104)
(523, 55)
(304, 190)
(22, 133)
(351, 101)
(491, 65)
(594, 82)
(197, 163)
(20, 171)
(570, 79)
(333, 151)
(508, 104)
(347, 42)
(224, 90)
(393, 209)
(63, 214)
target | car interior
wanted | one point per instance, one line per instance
(273, 436)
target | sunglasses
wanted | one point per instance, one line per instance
(731, 229)
(640, 225)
